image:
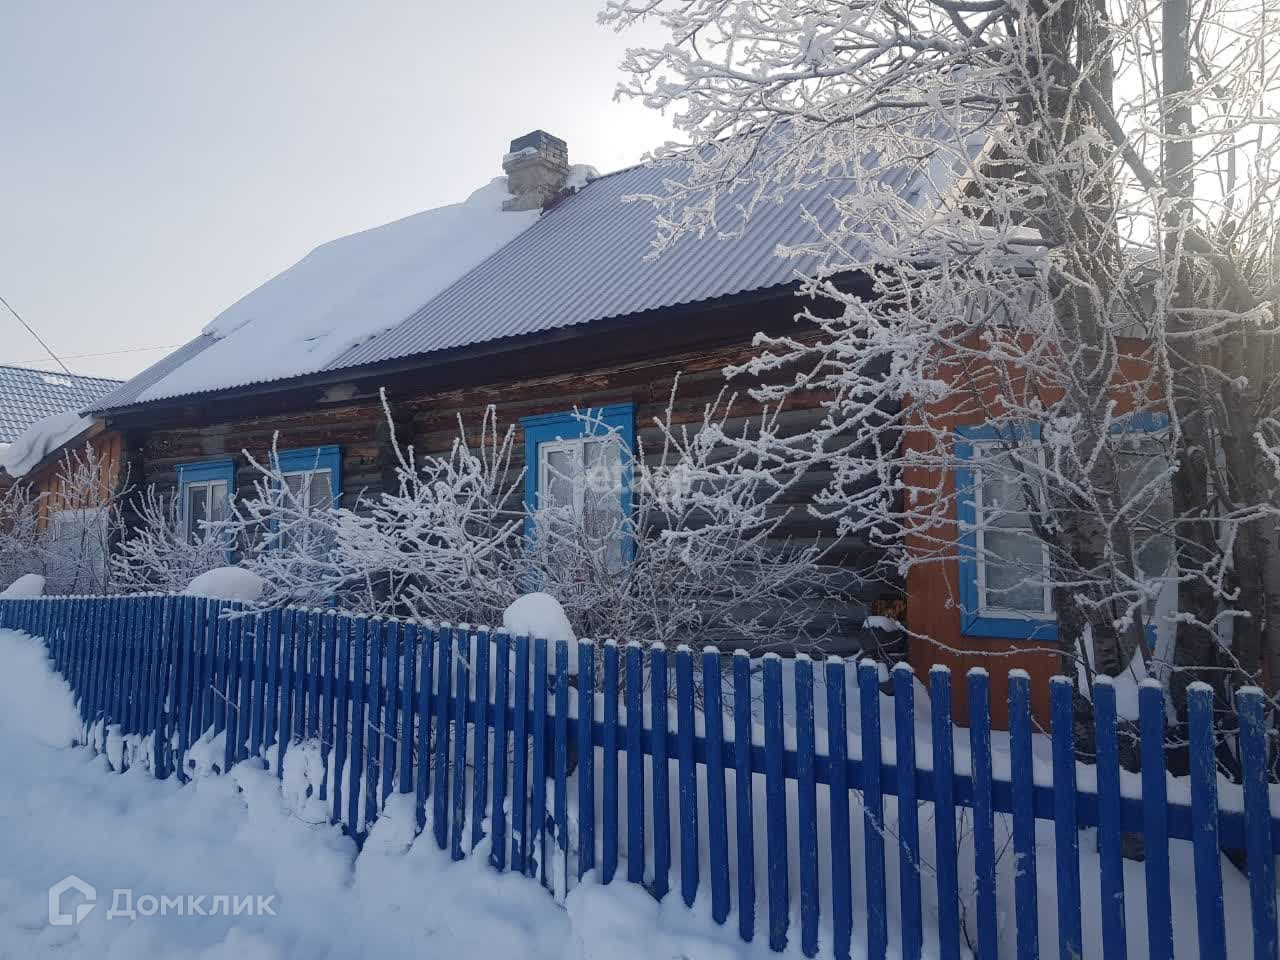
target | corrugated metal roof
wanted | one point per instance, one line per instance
(27, 396)
(127, 394)
(30, 395)
(587, 259)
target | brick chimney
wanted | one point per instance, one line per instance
(536, 169)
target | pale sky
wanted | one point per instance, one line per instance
(159, 160)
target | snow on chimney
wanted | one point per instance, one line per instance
(536, 169)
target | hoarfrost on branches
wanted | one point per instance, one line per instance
(1087, 250)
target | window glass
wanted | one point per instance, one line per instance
(1011, 556)
(580, 482)
(309, 490)
(197, 507)
(1011, 559)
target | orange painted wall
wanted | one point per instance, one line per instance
(933, 587)
(47, 478)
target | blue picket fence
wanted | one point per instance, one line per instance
(152, 674)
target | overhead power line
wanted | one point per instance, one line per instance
(104, 353)
(39, 339)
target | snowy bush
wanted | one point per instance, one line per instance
(697, 560)
(159, 553)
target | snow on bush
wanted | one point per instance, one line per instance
(226, 583)
(26, 586)
(538, 615)
(36, 703)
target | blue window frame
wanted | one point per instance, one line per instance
(205, 490)
(313, 466)
(976, 618)
(549, 434)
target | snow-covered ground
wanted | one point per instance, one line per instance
(62, 812)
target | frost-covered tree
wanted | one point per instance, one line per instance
(19, 533)
(82, 523)
(696, 560)
(1093, 252)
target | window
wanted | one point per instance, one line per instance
(205, 491)
(577, 469)
(1015, 585)
(313, 477)
(1003, 563)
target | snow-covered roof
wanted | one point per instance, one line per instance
(337, 297)
(30, 395)
(472, 274)
(41, 439)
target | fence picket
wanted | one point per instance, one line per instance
(218, 677)
(984, 822)
(635, 764)
(535, 851)
(480, 744)
(904, 715)
(944, 805)
(520, 827)
(345, 638)
(356, 684)
(562, 769)
(1251, 705)
(717, 801)
(586, 758)
(200, 718)
(1155, 820)
(838, 781)
(501, 698)
(661, 772)
(235, 634)
(426, 638)
(408, 693)
(328, 691)
(806, 806)
(609, 758)
(1021, 775)
(248, 633)
(459, 813)
(287, 648)
(687, 789)
(127, 669)
(374, 725)
(444, 680)
(1204, 811)
(743, 773)
(873, 808)
(279, 623)
(1066, 828)
(775, 794)
(315, 647)
(391, 706)
(259, 705)
(303, 632)
(1110, 838)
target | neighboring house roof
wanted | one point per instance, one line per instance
(30, 395)
(585, 259)
(40, 440)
